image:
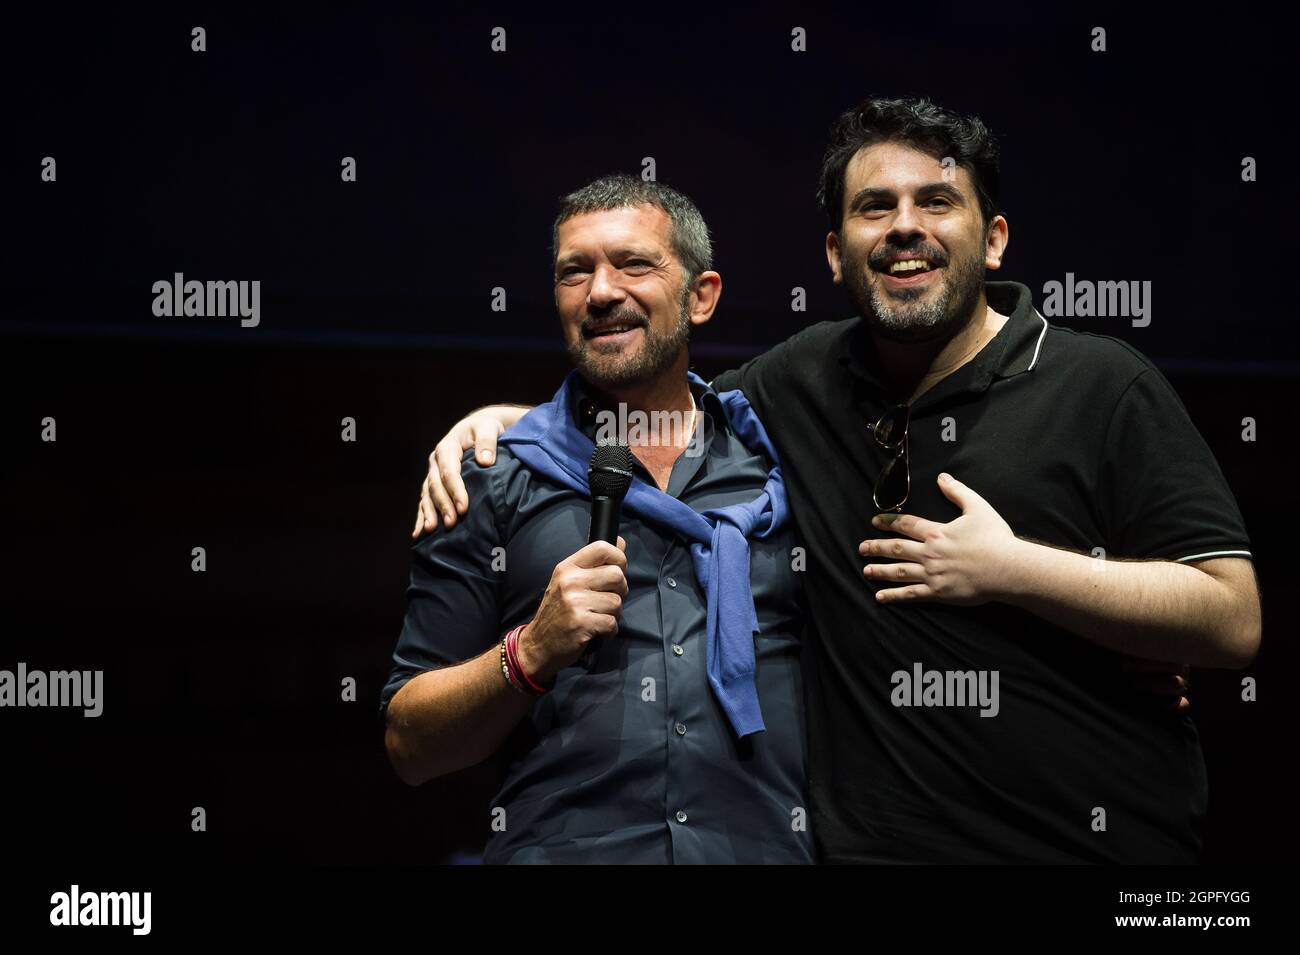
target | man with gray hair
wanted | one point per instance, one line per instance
(646, 697)
(987, 501)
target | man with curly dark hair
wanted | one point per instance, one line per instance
(999, 512)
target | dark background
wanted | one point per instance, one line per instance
(222, 689)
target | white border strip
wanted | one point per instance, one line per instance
(1041, 336)
(1217, 553)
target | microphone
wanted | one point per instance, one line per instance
(609, 475)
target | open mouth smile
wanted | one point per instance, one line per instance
(908, 271)
(614, 332)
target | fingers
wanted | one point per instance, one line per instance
(436, 492)
(903, 573)
(444, 491)
(609, 579)
(918, 528)
(484, 440)
(426, 512)
(904, 594)
(449, 460)
(454, 484)
(958, 493)
(427, 504)
(445, 481)
(1168, 685)
(600, 554)
(1169, 690)
(622, 544)
(426, 507)
(610, 605)
(1167, 682)
(604, 625)
(892, 547)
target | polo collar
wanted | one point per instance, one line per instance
(1015, 349)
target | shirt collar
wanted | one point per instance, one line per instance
(1014, 350)
(713, 416)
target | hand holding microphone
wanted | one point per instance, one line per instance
(585, 594)
(581, 605)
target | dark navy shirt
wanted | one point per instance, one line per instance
(633, 761)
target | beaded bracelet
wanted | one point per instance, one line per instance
(514, 671)
(505, 669)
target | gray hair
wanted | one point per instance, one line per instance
(688, 233)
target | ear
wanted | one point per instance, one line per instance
(833, 256)
(995, 243)
(704, 297)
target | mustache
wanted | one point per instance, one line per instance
(623, 315)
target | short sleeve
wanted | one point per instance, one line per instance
(1161, 491)
(453, 602)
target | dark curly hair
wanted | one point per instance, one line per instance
(918, 123)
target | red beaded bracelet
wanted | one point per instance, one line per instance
(517, 674)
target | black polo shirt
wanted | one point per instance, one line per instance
(633, 761)
(1077, 441)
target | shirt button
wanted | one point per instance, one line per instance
(681, 815)
(681, 729)
(677, 649)
(671, 582)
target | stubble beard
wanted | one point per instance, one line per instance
(657, 354)
(919, 314)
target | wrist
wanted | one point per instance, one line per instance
(1012, 582)
(535, 663)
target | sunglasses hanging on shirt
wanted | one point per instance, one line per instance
(894, 482)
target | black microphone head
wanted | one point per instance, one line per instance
(610, 471)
